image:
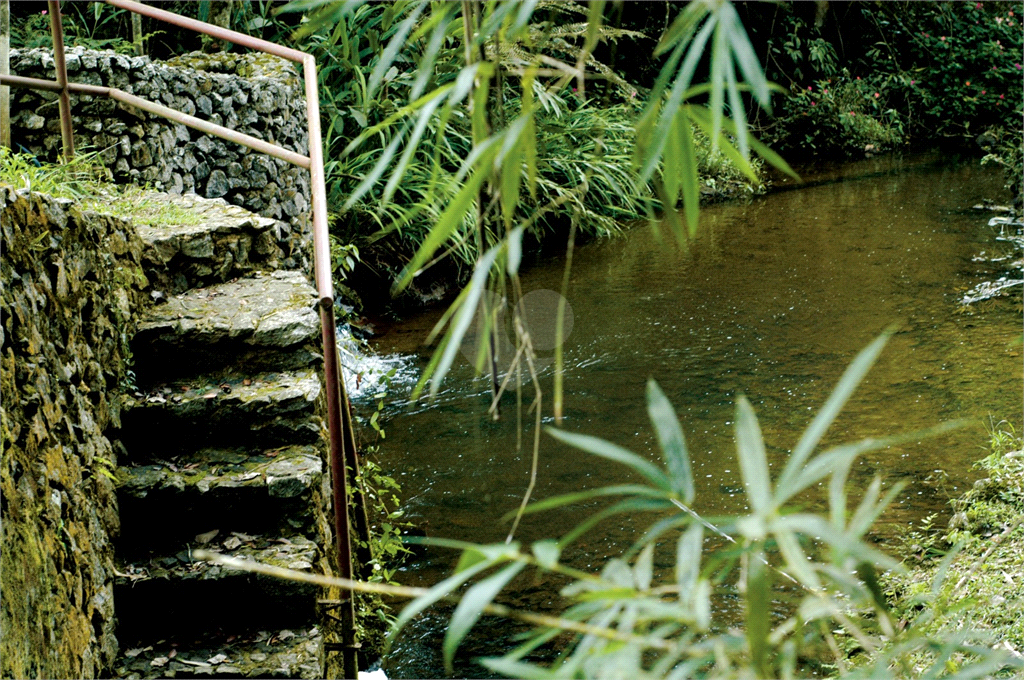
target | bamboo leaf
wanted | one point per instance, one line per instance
(590, 494)
(682, 27)
(451, 218)
(688, 555)
(753, 459)
(719, 61)
(605, 449)
(387, 58)
(796, 560)
(748, 62)
(759, 608)
(547, 553)
(442, 589)
(465, 315)
(671, 441)
(472, 605)
(629, 505)
(852, 376)
(689, 180)
(643, 570)
(702, 118)
(410, 148)
(514, 243)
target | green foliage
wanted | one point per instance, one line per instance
(977, 583)
(86, 180)
(629, 621)
(846, 113)
(910, 69)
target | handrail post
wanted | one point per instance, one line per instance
(5, 69)
(332, 364)
(67, 133)
(339, 485)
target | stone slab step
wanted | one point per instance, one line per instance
(199, 241)
(285, 653)
(163, 596)
(261, 410)
(263, 322)
(171, 501)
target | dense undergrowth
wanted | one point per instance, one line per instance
(969, 575)
(881, 76)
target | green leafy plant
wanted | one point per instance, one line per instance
(629, 622)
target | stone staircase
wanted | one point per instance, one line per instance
(221, 448)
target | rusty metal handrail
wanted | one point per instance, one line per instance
(342, 455)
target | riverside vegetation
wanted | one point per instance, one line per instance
(461, 143)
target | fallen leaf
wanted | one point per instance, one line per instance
(159, 662)
(247, 382)
(245, 538)
(201, 664)
(209, 395)
(285, 635)
(232, 543)
(132, 653)
(173, 653)
(219, 658)
(247, 476)
(207, 537)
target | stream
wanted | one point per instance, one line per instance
(773, 299)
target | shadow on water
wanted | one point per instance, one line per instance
(773, 299)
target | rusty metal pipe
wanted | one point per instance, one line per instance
(161, 110)
(321, 240)
(67, 133)
(339, 484)
(210, 30)
(211, 128)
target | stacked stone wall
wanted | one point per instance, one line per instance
(258, 94)
(72, 284)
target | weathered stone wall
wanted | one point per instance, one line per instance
(71, 284)
(258, 94)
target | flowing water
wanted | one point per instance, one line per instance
(773, 299)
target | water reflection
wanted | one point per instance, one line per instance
(773, 299)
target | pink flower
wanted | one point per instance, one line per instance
(877, 95)
(1010, 14)
(983, 92)
(43, 12)
(913, 82)
(826, 91)
(852, 113)
(968, 83)
(858, 77)
(978, 6)
(809, 88)
(1002, 97)
(999, 20)
(814, 104)
(1017, 66)
(943, 38)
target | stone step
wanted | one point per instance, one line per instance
(170, 594)
(285, 653)
(197, 241)
(169, 502)
(259, 410)
(263, 322)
